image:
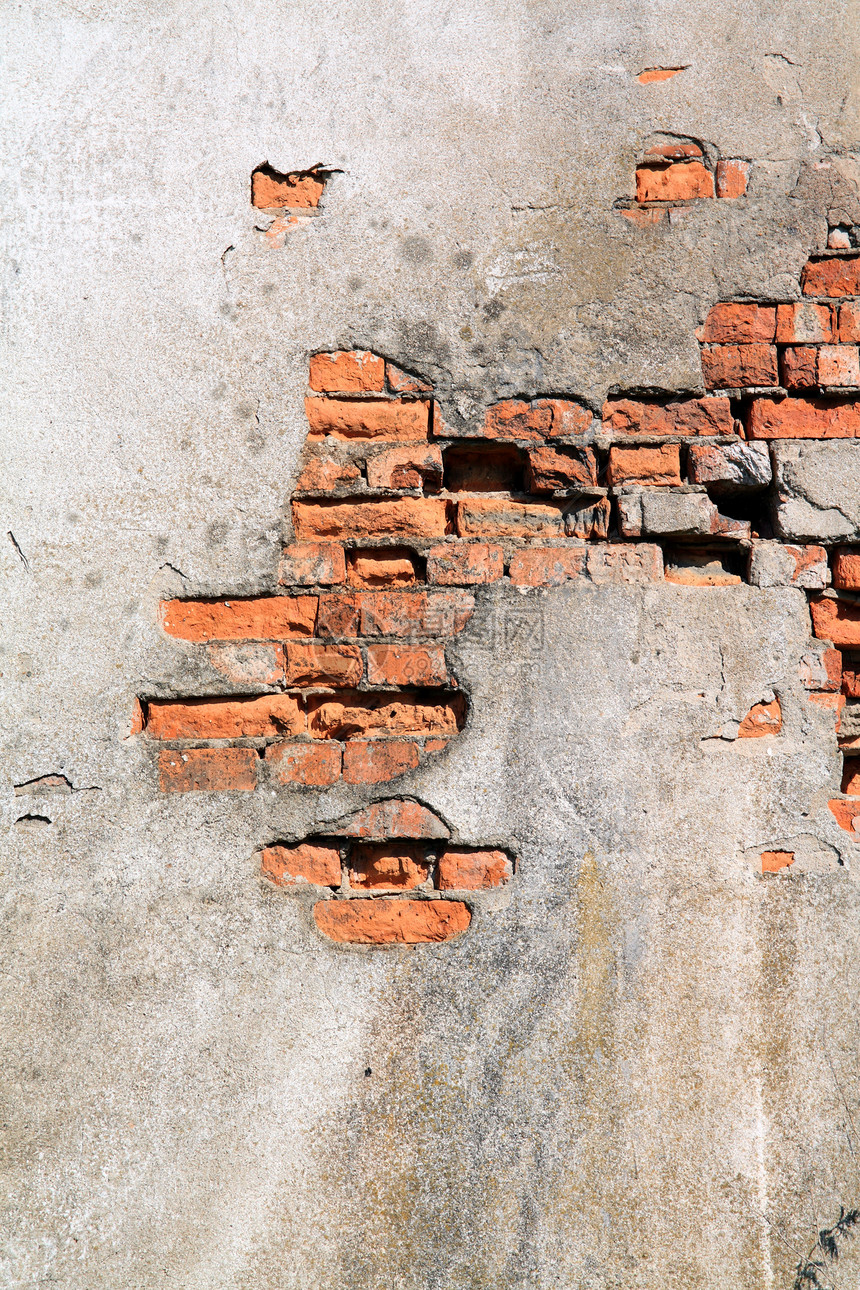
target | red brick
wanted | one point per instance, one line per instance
(417, 613)
(138, 718)
(259, 717)
(551, 469)
(654, 74)
(381, 567)
(415, 467)
(354, 371)
(547, 566)
(458, 563)
(466, 869)
(673, 151)
(732, 177)
(400, 382)
(514, 419)
(624, 562)
(678, 182)
(838, 365)
(732, 324)
(339, 615)
(210, 770)
(388, 866)
(837, 621)
(850, 680)
(849, 323)
(393, 419)
(406, 665)
(735, 366)
(403, 517)
(323, 475)
(312, 563)
(846, 569)
(773, 861)
(323, 664)
(799, 367)
(393, 818)
(846, 814)
(762, 719)
(395, 921)
(300, 189)
(643, 215)
(805, 418)
(851, 777)
(709, 416)
(399, 712)
(803, 323)
(316, 765)
(833, 277)
(500, 517)
(310, 862)
(660, 465)
(248, 664)
(265, 618)
(373, 761)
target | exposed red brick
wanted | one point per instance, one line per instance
(401, 382)
(514, 419)
(849, 323)
(809, 418)
(849, 680)
(727, 367)
(837, 621)
(323, 664)
(654, 74)
(258, 717)
(832, 277)
(406, 665)
(395, 921)
(419, 466)
(762, 719)
(399, 713)
(210, 770)
(846, 814)
(373, 761)
(773, 861)
(799, 367)
(380, 567)
(393, 818)
(388, 866)
(249, 664)
(264, 618)
(546, 566)
(677, 182)
(674, 151)
(851, 777)
(402, 517)
(300, 189)
(314, 862)
(466, 869)
(803, 323)
(846, 569)
(323, 474)
(421, 613)
(339, 615)
(354, 371)
(551, 469)
(625, 562)
(459, 563)
(643, 215)
(312, 563)
(499, 517)
(316, 765)
(832, 661)
(838, 365)
(732, 177)
(732, 324)
(368, 418)
(661, 465)
(709, 416)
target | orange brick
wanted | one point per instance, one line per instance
(850, 680)
(458, 563)
(674, 151)
(732, 177)
(312, 564)
(838, 365)
(211, 770)
(799, 367)
(373, 761)
(400, 382)
(849, 323)
(391, 921)
(846, 569)
(773, 861)
(380, 567)
(401, 712)
(388, 866)
(846, 814)
(406, 665)
(417, 613)
(851, 777)
(316, 765)
(499, 517)
(590, 520)
(832, 277)
(836, 621)
(726, 367)
(732, 324)
(466, 869)
(644, 215)
(249, 664)
(259, 717)
(709, 416)
(762, 719)
(551, 469)
(803, 323)
(323, 474)
(393, 818)
(403, 517)
(660, 465)
(339, 615)
(656, 74)
(677, 182)
(264, 618)
(415, 467)
(368, 419)
(514, 419)
(301, 189)
(354, 371)
(310, 862)
(323, 664)
(805, 418)
(546, 566)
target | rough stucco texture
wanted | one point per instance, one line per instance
(638, 1064)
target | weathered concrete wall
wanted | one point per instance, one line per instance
(638, 1066)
